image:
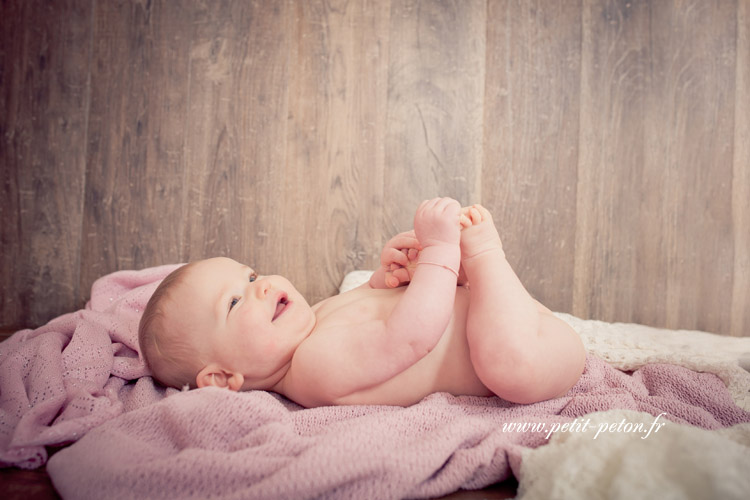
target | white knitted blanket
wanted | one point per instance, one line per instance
(679, 461)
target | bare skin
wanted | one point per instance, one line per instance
(386, 343)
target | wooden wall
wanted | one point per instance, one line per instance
(610, 138)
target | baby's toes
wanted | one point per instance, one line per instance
(483, 212)
(475, 215)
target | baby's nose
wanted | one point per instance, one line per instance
(262, 286)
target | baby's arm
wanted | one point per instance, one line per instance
(426, 307)
(348, 358)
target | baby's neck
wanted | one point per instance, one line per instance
(274, 382)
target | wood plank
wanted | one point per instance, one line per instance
(654, 231)
(740, 319)
(333, 190)
(234, 149)
(135, 188)
(44, 67)
(435, 106)
(20, 484)
(298, 136)
(688, 170)
(531, 140)
(612, 212)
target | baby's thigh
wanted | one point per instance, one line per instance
(502, 358)
(489, 343)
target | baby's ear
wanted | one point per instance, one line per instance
(217, 377)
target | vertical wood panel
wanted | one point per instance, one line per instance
(608, 137)
(44, 64)
(740, 308)
(334, 173)
(134, 184)
(236, 130)
(435, 99)
(615, 195)
(654, 229)
(531, 140)
(689, 136)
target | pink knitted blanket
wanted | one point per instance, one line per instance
(79, 378)
(72, 374)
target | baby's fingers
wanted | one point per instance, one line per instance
(475, 216)
(393, 255)
(396, 276)
(401, 274)
(404, 240)
(390, 280)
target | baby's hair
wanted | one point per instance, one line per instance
(168, 353)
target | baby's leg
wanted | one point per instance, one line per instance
(519, 350)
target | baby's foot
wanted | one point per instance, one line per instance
(478, 232)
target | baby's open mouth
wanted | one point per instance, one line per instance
(280, 307)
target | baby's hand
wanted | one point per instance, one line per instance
(437, 222)
(399, 258)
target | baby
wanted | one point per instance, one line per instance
(217, 322)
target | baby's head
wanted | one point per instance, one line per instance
(216, 322)
(170, 351)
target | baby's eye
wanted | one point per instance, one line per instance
(234, 302)
(253, 277)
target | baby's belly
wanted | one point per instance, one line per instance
(447, 368)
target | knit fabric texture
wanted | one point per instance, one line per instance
(79, 379)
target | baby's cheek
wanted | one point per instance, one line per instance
(269, 347)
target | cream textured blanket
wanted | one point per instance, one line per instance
(678, 461)
(628, 346)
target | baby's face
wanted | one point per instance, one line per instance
(247, 323)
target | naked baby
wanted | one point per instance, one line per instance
(444, 312)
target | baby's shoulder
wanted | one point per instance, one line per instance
(319, 372)
(360, 305)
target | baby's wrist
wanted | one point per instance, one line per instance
(444, 255)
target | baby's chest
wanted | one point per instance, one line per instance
(357, 307)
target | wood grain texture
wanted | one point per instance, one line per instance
(531, 140)
(333, 182)
(689, 135)
(135, 144)
(740, 308)
(654, 209)
(234, 141)
(44, 71)
(435, 106)
(608, 137)
(615, 192)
